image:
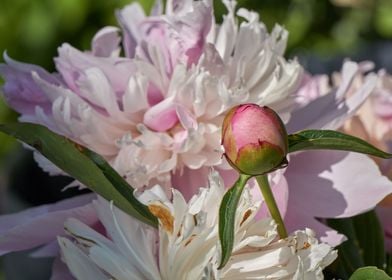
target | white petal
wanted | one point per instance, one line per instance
(80, 265)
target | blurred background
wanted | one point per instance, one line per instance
(322, 34)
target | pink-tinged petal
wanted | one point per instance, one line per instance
(326, 234)
(106, 42)
(187, 120)
(134, 98)
(130, 18)
(71, 63)
(154, 94)
(385, 216)
(20, 90)
(312, 87)
(51, 249)
(382, 106)
(162, 116)
(40, 225)
(335, 184)
(179, 36)
(95, 87)
(60, 270)
(349, 70)
(332, 184)
(229, 176)
(157, 8)
(189, 181)
(382, 102)
(332, 110)
(191, 28)
(176, 6)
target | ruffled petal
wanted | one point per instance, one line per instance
(331, 110)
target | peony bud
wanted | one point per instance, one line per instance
(255, 139)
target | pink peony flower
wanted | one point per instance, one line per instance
(373, 122)
(365, 122)
(157, 112)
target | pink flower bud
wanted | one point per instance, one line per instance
(255, 139)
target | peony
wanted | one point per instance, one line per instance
(186, 244)
(370, 122)
(156, 113)
(373, 123)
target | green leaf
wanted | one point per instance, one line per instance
(389, 264)
(119, 183)
(370, 239)
(350, 257)
(369, 273)
(364, 245)
(82, 164)
(227, 213)
(332, 140)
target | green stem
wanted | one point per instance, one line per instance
(269, 199)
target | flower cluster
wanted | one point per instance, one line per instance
(155, 114)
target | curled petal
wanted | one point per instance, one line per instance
(162, 116)
(106, 42)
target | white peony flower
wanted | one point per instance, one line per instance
(186, 245)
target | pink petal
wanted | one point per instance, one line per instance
(332, 184)
(311, 87)
(162, 116)
(189, 181)
(332, 110)
(229, 176)
(154, 94)
(297, 219)
(36, 226)
(72, 63)
(106, 42)
(20, 90)
(130, 18)
(191, 29)
(187, 120)
(180, 36)
(60, 270)
(51, 249)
